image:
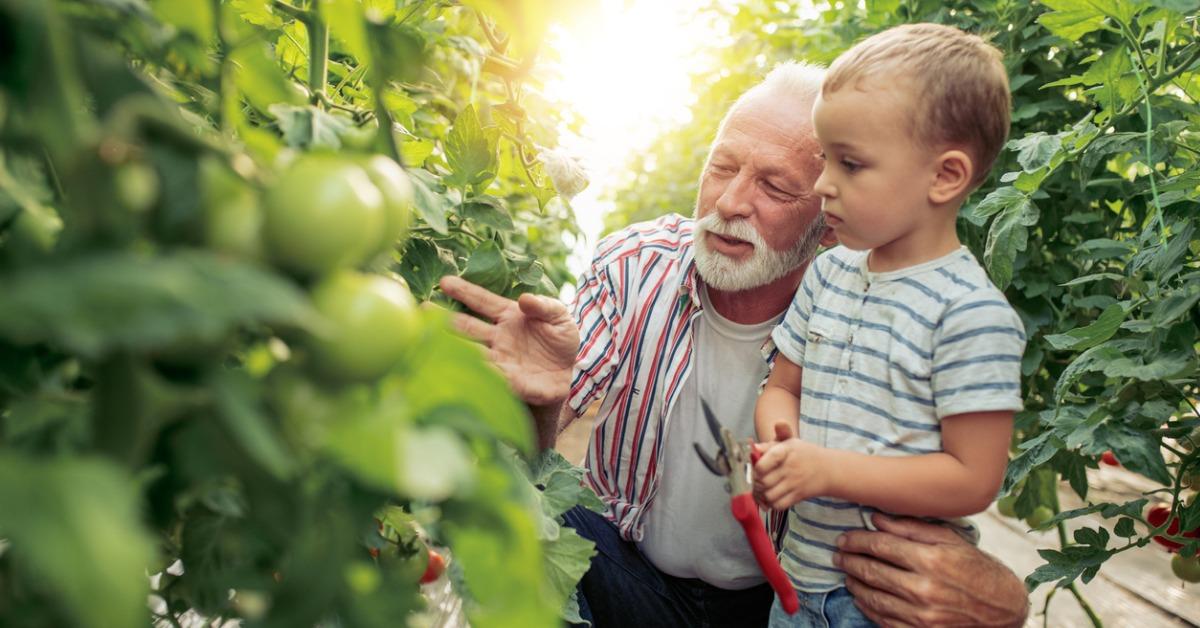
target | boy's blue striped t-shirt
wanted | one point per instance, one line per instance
(886, 356)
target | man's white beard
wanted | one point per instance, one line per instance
(764, 265)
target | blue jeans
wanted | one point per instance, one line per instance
(622, 589)
(831, 609)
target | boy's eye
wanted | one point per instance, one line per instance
(851, 166)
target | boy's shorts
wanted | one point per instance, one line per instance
(831, 609)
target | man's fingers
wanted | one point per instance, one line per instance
(879, 605)
(875, 547)
(916, 530)
(474, 328)
(478, 299)
(541, 307)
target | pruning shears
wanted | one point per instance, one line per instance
(734, 461)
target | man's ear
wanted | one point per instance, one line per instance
(953, 171)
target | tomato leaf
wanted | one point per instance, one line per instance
(488, 268)
(309, 127)
(1091, 335)
(96, 304)
(471, 151)
(78, 533)
(431, 204)
(1008, 235)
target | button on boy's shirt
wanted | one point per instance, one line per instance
(886, 356)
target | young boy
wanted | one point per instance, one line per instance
(910, 357)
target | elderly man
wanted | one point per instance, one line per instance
(678, 310)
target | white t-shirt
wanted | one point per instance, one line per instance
(689, 530)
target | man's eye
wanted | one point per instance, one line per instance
(820, 155)
(776, 192)
(720, 169)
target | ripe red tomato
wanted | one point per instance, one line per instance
(1157, 516)
(1110, 459)
(321, 214)
(372, 322)
(435, 568)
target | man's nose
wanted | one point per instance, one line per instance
(737, 197)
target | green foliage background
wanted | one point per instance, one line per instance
(1088, 223)
(156, 399)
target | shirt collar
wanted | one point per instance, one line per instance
(689, 280)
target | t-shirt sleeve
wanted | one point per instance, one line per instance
(597, 315)
(789, 335)
(977, 356)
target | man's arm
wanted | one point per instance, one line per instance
(913, 573)
(550, 421)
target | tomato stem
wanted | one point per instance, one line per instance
(318, 57)
(226, 98)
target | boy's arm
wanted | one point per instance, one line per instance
(961, 480)
(780, 400)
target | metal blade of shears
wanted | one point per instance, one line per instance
(714, 425)
(718, 466)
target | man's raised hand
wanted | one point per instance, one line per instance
(532, 340)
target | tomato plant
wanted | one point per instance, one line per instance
(211, 368)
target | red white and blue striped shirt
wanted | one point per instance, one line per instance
(636, 306)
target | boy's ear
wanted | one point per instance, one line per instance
(953, 171)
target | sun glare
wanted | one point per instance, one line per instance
(625, 70)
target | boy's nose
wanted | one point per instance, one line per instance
(823, 187)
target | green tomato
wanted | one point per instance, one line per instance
(372, 322)
(1007, 505)
(1186, 569)
(322, 213)
(137, 186)
(359, 139)
(397, 192)
(1039, 516)
(232, 216)
(36, 228)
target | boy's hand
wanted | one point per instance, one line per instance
(783, 431)
(789, 471)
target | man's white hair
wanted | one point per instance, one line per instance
(796, 80)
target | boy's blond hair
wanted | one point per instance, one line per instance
(960, 86)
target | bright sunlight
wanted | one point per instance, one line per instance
(625, 69)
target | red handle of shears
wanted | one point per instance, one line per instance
(746, 513)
